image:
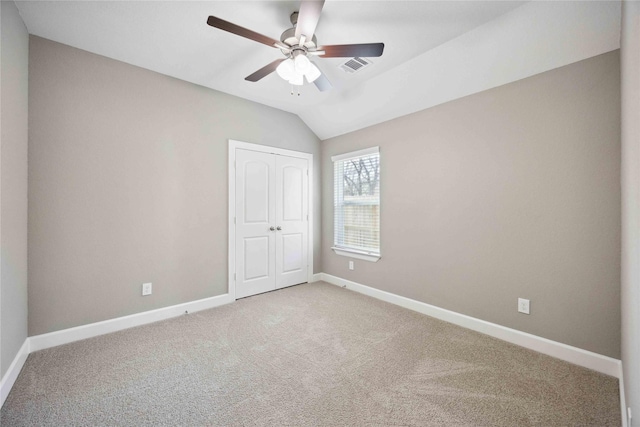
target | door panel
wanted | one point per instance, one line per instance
(256, 191)
(291, 217)
(256, 264)
(292, 203)
(255, 214)
(292, 252)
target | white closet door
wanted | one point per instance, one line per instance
(255, 223)
(272, 223)
(291, 221)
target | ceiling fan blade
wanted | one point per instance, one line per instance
(241, 31)
(308, 18)
(264, 71)
(365, 50)
(322, 83)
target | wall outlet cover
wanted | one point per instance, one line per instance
(146, 289)
(523, 305)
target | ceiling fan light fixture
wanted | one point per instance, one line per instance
(291, 70)
(286, 70)
(302, 64)
(296, 44)
(297, 80)
(313, 73)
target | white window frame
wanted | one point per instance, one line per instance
(345, 251)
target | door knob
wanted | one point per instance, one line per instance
(272, 228)
(279, 228)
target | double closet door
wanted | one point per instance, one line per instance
(272, 209)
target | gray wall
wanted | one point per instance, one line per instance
(630, 71)
(128, 184)
(13, 183)
(512, 192)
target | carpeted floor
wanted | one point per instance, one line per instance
(310, 355)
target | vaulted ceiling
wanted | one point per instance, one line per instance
(435, 51)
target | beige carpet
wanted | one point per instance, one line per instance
(310, 355)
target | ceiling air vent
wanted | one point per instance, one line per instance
(355, 64)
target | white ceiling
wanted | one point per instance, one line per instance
(435, 51)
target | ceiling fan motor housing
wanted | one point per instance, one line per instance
(289, 37)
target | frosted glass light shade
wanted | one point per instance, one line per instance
(297, 80)
(313, 73)
(286, 70)
(302, 64)
(295, 70)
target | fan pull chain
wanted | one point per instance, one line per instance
(292, 90)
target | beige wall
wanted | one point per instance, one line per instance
(128, 184)
(630, 298)
(513, 192)
(13, 183)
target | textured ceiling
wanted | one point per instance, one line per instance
(435, 51)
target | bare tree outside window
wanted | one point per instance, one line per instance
(361, 176)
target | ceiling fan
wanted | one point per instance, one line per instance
(298, 44)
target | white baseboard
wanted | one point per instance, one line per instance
(65, 336)
(316, 278)
(587, 359)
(597, 362)
(12, 373)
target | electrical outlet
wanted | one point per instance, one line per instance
(351, 267)
(523, 305)
(146, 289)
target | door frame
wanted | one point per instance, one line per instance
(233, 146)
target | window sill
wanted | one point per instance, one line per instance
(352, 253)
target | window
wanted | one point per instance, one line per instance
(356, 204)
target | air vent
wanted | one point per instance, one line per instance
(354, 65)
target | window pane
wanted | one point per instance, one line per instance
(357, 203)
